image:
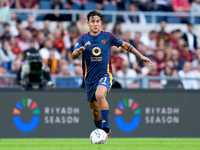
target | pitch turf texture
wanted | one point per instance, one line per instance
(112, 144)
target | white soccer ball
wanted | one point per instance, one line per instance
(98, 136)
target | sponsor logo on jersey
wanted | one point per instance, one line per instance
(88, 43)
(96, 51)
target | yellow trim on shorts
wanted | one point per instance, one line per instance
(110, 75)
(85, 70)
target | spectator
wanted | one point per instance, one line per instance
(121, 8)
(27, 4)
(136, 39)
(99, 5)
(189, 83)
(117, 29)
(80, 3)
(140, 18)
(40, 39)
(186, 54)
(78, 72)
(6, 56)
(127, 37)
(195, 7)
(190, 37)
(14, 28)
(16, 65)
(69, 6)
(160, 59)
(149, 42)
(178, 63)
(26, 39)
(6, 34)
(4, 17)
(31, 27)
(175, 35)
(58, 43)
(19, 31)
(62, 62)
(52, 62)
(139, 64)
(62, 81)
(174, 84)
(72, 33)
(50, 37)
(144, 5)
(126, 72)
(181, 43)
(31, 48)
(165, 46)
(195, 62)
(166, 72)
(104, 24)
(11, 3)
(116, 59)
(82, 24)
(162, 33)
(182, 6)
(153, 71)
(46, 28)
(60, 27)
(161, 5)
(55, 17)
(14, 45)
(69, 53)
(130, 58)
(44, 52)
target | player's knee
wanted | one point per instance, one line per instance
(99, 97)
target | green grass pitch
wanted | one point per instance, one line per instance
(112, 144)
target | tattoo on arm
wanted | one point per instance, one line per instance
(130, 48)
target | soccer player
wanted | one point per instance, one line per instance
(95, 47)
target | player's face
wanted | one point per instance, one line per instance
(95, 24)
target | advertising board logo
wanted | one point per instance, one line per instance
(127, 115)
(26, 115)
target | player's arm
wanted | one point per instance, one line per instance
(76, 53)
(131, 49)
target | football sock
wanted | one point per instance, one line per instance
(105, 116)
(98, 124)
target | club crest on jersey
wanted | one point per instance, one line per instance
(96, 51)
(103, 41)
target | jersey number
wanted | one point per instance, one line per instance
(104, 82)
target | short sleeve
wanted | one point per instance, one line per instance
(114, 40)
(79, 43)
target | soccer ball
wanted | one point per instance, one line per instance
(98, 136)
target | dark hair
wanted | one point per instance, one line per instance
(6, 24)
(94, 13)
(53, 5)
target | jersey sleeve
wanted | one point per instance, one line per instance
(79, 43)
(115, 40)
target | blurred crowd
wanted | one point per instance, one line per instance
(181, 6)
(175, 54)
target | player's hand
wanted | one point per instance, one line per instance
(81, 49)
(146, 60)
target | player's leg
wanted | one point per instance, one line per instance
(94, 105)
(96, 113)
(100, 95)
